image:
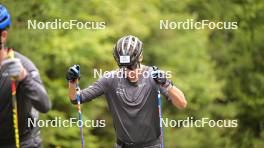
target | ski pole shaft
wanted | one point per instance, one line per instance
(79, 110)
(160, 116)
(15, 117)
(14, 105)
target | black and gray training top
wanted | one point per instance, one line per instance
(31, 98)
(134, 107)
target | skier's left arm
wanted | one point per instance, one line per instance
(31, 87)
(29, 84)
(173, 93)
(176, 96)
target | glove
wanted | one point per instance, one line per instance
(11, 67)
(160, 77)
(73, 73)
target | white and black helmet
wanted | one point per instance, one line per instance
(127, 51)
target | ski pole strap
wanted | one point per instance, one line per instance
(160, 116)
(78, 97)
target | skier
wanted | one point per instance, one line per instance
(131, 93)
(31, 96)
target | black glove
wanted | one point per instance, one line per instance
(73, 73)
(160, 77)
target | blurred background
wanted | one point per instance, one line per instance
(221, 72)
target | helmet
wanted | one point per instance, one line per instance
(127, 51)
(5, 20)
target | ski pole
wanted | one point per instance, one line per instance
(160, 116)
(79, 110)
(15, 117)
(14, 105)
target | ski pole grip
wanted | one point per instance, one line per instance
(11, 54)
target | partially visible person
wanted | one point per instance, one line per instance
(31, 95)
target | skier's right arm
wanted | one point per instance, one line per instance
(87, 94)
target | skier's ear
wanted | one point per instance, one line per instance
(3, 36)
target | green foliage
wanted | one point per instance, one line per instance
(220, 71)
